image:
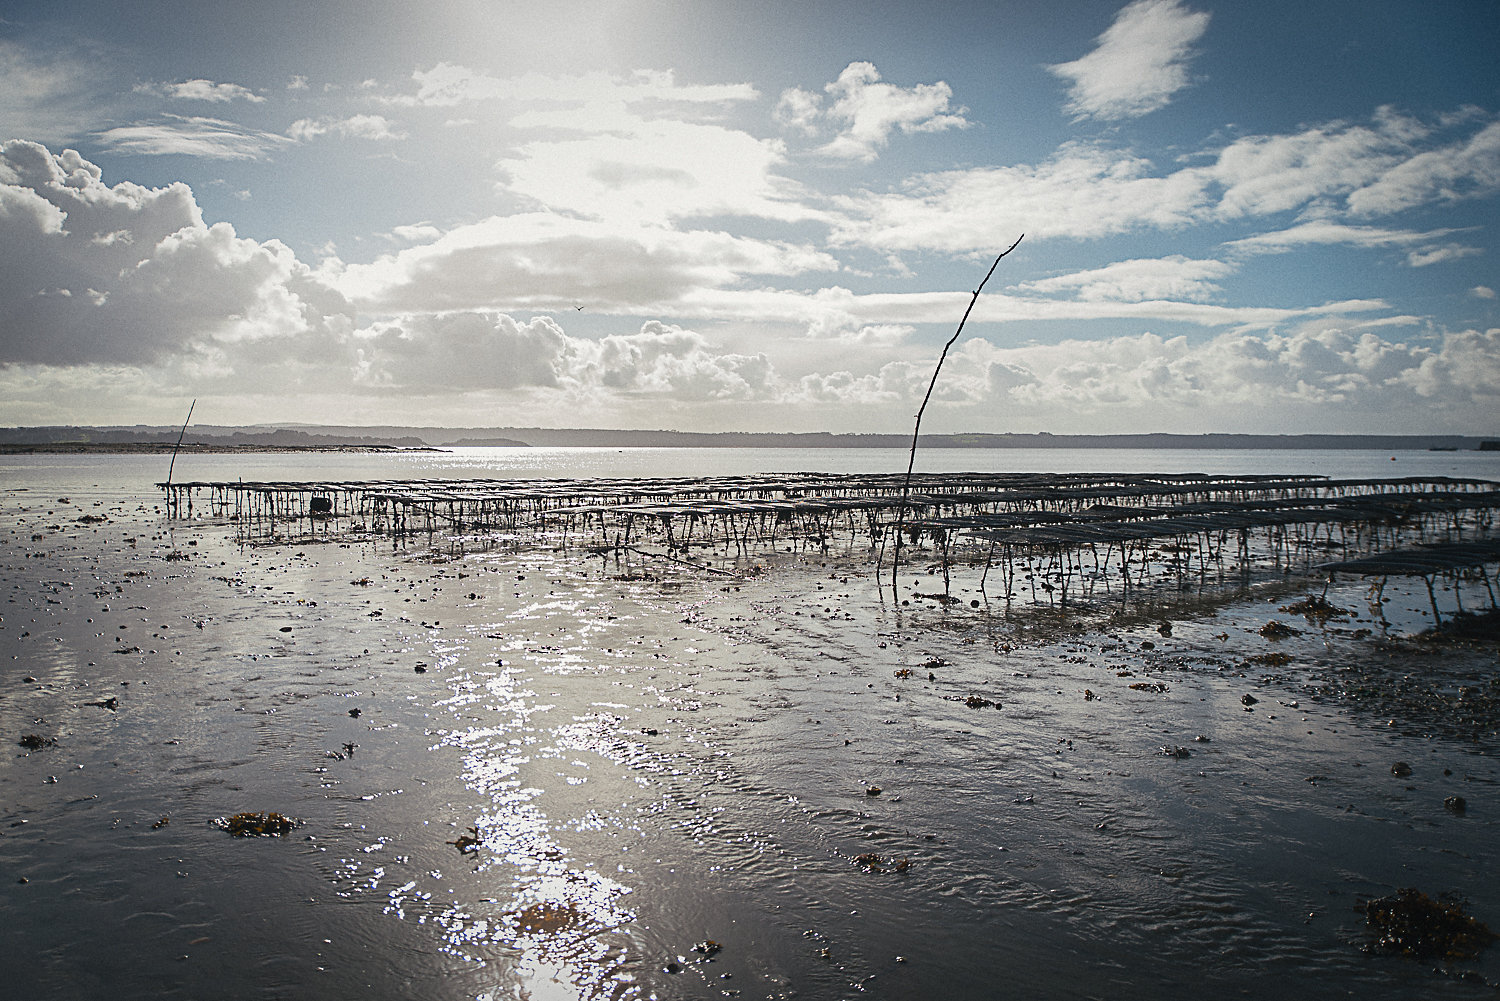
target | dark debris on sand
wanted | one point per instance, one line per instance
(1410, 923)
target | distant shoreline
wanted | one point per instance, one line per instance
(163, 448)
(315, 438)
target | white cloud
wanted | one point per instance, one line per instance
(1139, 63)
(128, 274)
(297, 82)
(448, 85)
(1082, 191)
(1438, 255)
(1174, 277)
(798, 110)
(1482, 292)
(201, 90)
(209, 138)
(485, 351)
(1087, 191)
(421, 232)
(548, 261)
(1239, 381)
(1460, 170)
(653, 170)
(1422, 248)
(47, 96)
(865, 111)
(373, 127)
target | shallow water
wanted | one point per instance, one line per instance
(599, 767)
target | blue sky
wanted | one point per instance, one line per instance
(1269, 217)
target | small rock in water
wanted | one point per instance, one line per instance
(1456, 805)
(1401, 769)
(1249, 700)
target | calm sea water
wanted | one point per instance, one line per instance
(136, 471)
(527, 775)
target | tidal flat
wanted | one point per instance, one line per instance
(526, 773)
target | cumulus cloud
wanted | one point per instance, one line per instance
(1140, 62)
(374, 127)
(131, 274)
(1235, 379)
(208, 138)
(865, 111)
(487, 351)
(201, 90)
(1482, 292)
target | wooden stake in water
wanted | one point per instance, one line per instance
(906, 485)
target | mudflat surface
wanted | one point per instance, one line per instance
(535, 774)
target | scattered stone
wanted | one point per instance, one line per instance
(1249, 700)
(1401, 769)
(708, 947)
(355, 713)
(1174, 751)
(1165, 629)
(35, 742)
(872, 790)
(1150, 686)
(1456, 805)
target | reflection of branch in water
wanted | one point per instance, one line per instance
(686, 563)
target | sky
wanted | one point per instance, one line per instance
(1279, 217)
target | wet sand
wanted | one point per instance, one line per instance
(528, 774)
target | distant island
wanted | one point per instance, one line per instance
(302, 437)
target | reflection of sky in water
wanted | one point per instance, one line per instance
(548, 916)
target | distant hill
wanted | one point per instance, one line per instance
(318, 436)
(488, 443)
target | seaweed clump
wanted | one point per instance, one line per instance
(1410, 923)
(1315, 608)
(258, 825)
